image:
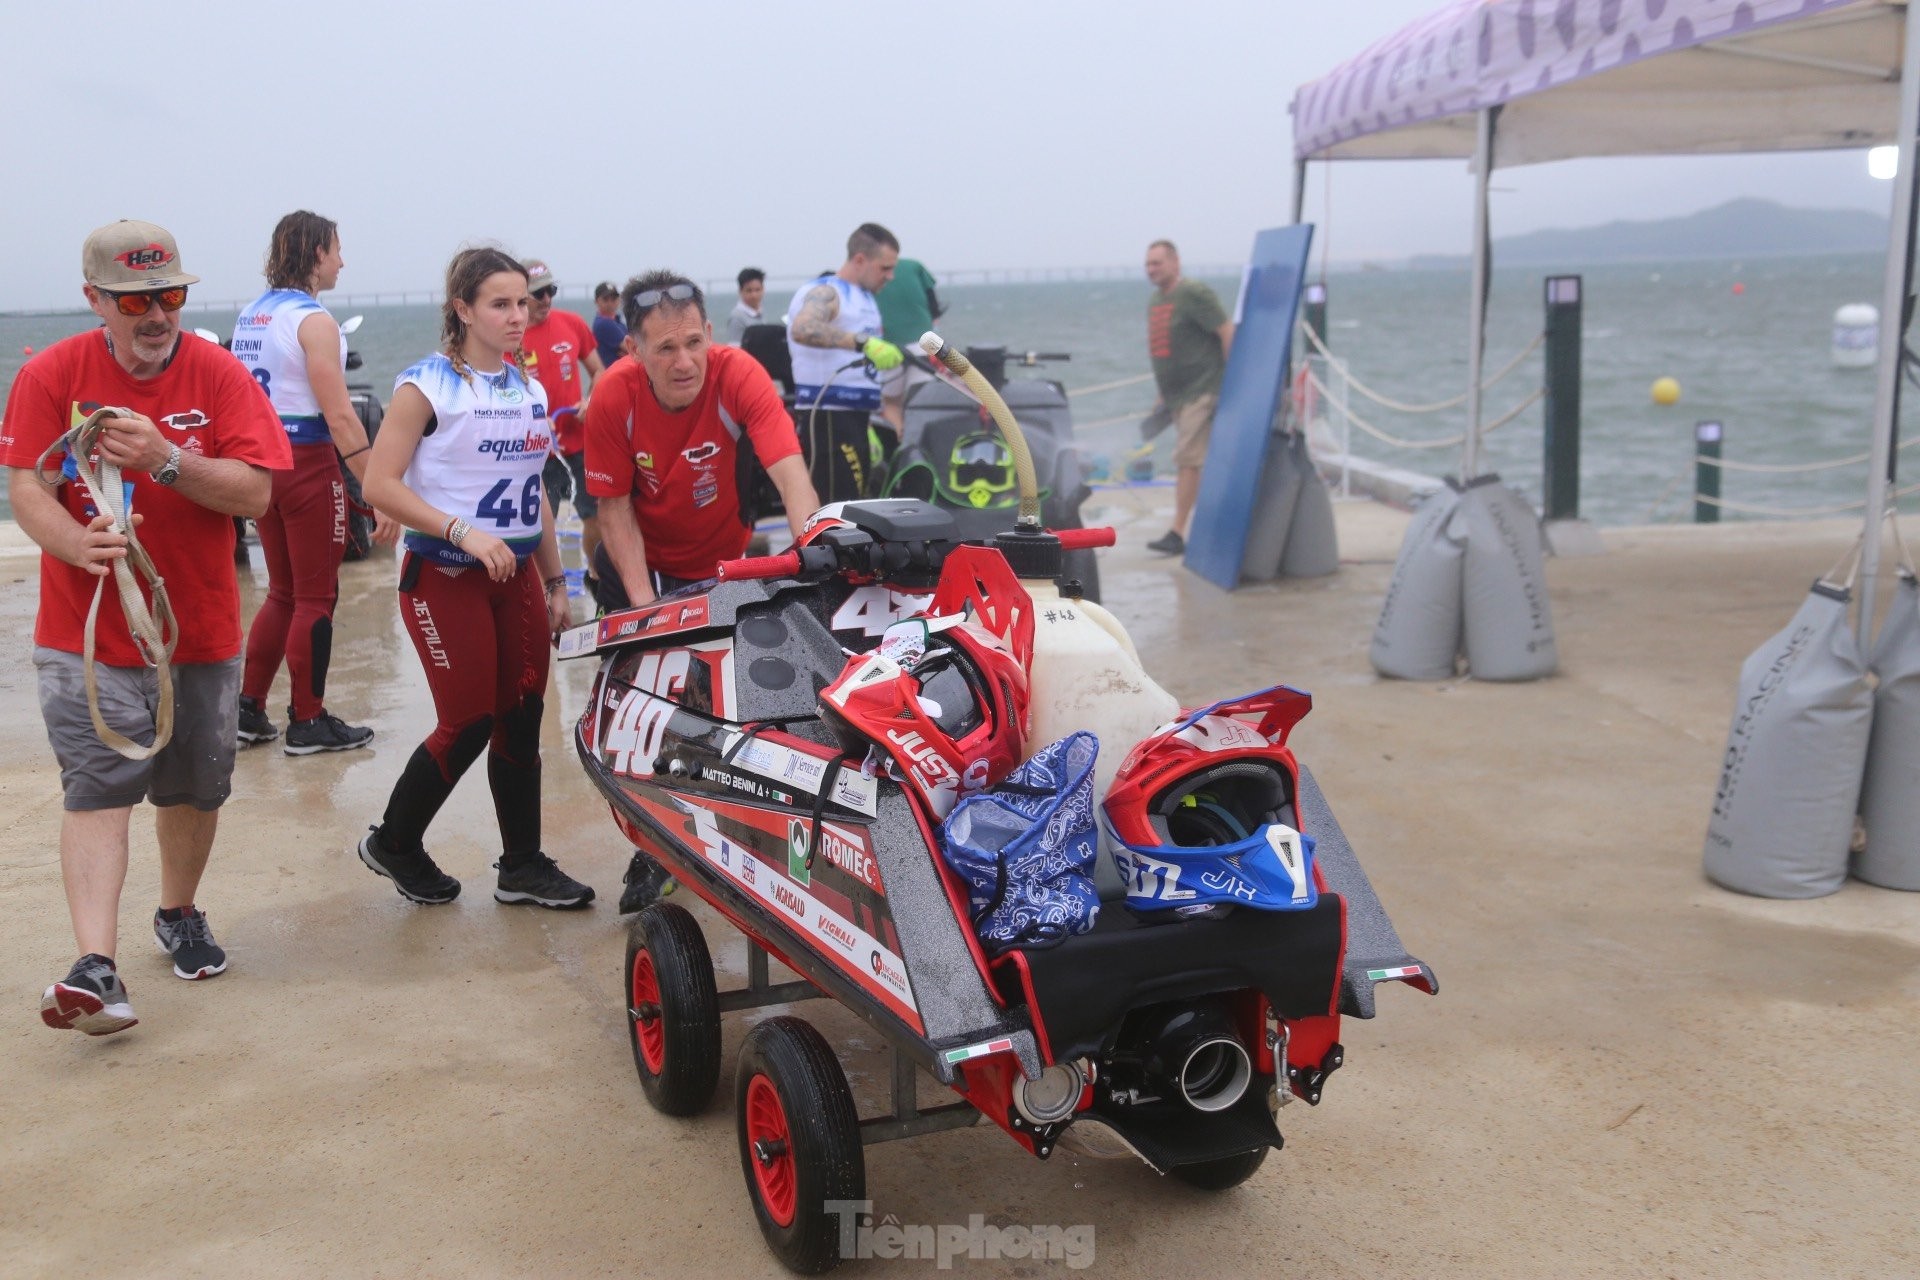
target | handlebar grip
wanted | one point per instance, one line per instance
(784, 565)
(1082, 539)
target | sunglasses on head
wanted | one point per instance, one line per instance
(138, 304)
(547, 293)
(654, 297)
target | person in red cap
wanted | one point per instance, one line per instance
(557, 347)
(196, 446)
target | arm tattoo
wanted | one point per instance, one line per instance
(814, 326)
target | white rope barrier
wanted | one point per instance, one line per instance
(1749, 508)
(1445, 442)
(1400, 406)
(1110, 386)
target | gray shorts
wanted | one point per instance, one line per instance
(195, 767)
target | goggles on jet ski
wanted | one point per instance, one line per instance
(138, 304)
(980, 468)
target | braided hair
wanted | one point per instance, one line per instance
(465, 274)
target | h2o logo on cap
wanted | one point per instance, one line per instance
(149, 257)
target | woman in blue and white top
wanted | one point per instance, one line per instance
(482, 594)
(294, 350)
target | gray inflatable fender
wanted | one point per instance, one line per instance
(1783, 811)
(1890, 793)
(1313, 543)
(1272, 512)
(1507, 626)
(1417, 636)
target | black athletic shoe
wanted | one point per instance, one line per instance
(91, 998)
(536, 879)
(1170, 545)
(413, 872)
(647, 882)
(325, 732)
(190, 942)
(254, 725)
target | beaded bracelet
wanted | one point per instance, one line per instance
(457, 531)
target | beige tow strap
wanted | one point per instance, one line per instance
(154, 629)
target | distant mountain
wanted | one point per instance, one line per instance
(1745, 228)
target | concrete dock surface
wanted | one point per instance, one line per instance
(1628, 1071)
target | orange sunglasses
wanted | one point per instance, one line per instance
(138, 304)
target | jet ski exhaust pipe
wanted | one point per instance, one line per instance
(1194, 1055)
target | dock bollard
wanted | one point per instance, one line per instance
(1707, 437)
(1560, 372)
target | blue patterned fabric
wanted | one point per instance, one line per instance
(1026, 850)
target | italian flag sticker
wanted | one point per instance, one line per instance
(1387, 975)
(978, 1050)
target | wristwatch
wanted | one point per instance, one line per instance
(169, 470)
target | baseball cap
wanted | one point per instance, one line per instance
(129, 254)
(539, 276)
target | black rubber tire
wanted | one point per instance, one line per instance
(1221, 1174)
(823, 1139)
(687, 1073)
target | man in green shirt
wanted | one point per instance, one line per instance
(1188, 335)
(908, 308)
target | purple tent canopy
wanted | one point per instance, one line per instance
(1613, 77)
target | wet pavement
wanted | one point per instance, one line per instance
(1628, 1071)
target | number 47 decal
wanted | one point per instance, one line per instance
(499, 509)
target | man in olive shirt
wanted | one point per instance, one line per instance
(1188, 336)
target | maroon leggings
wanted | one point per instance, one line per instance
(303, 536)
(486, 651)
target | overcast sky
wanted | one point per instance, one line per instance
(610, 137)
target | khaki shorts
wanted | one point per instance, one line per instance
(196, 765)
(1192, 428)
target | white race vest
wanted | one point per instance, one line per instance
(817, 367)
(266, 339)
(490, 438)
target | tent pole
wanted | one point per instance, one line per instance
(1477, 307)
(1299, 189)
(1893, 316)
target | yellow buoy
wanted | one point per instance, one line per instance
(1666, 391)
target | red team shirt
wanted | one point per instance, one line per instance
(679, 468)
(552, 351)
(206, 403)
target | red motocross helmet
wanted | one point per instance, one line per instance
(951, 714)
(1199, 810)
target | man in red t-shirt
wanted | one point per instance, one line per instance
(196, 446)
(557, 346)
(663, 435)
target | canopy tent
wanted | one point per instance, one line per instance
(1613, 78)
(1512, 82)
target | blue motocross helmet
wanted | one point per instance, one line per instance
(1210, 839)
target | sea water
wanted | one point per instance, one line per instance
(1754, 358)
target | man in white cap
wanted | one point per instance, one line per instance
(195, 446)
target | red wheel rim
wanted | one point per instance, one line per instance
(767, 1128)
(647, 1032)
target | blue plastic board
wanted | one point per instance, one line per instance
(1249, 393)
